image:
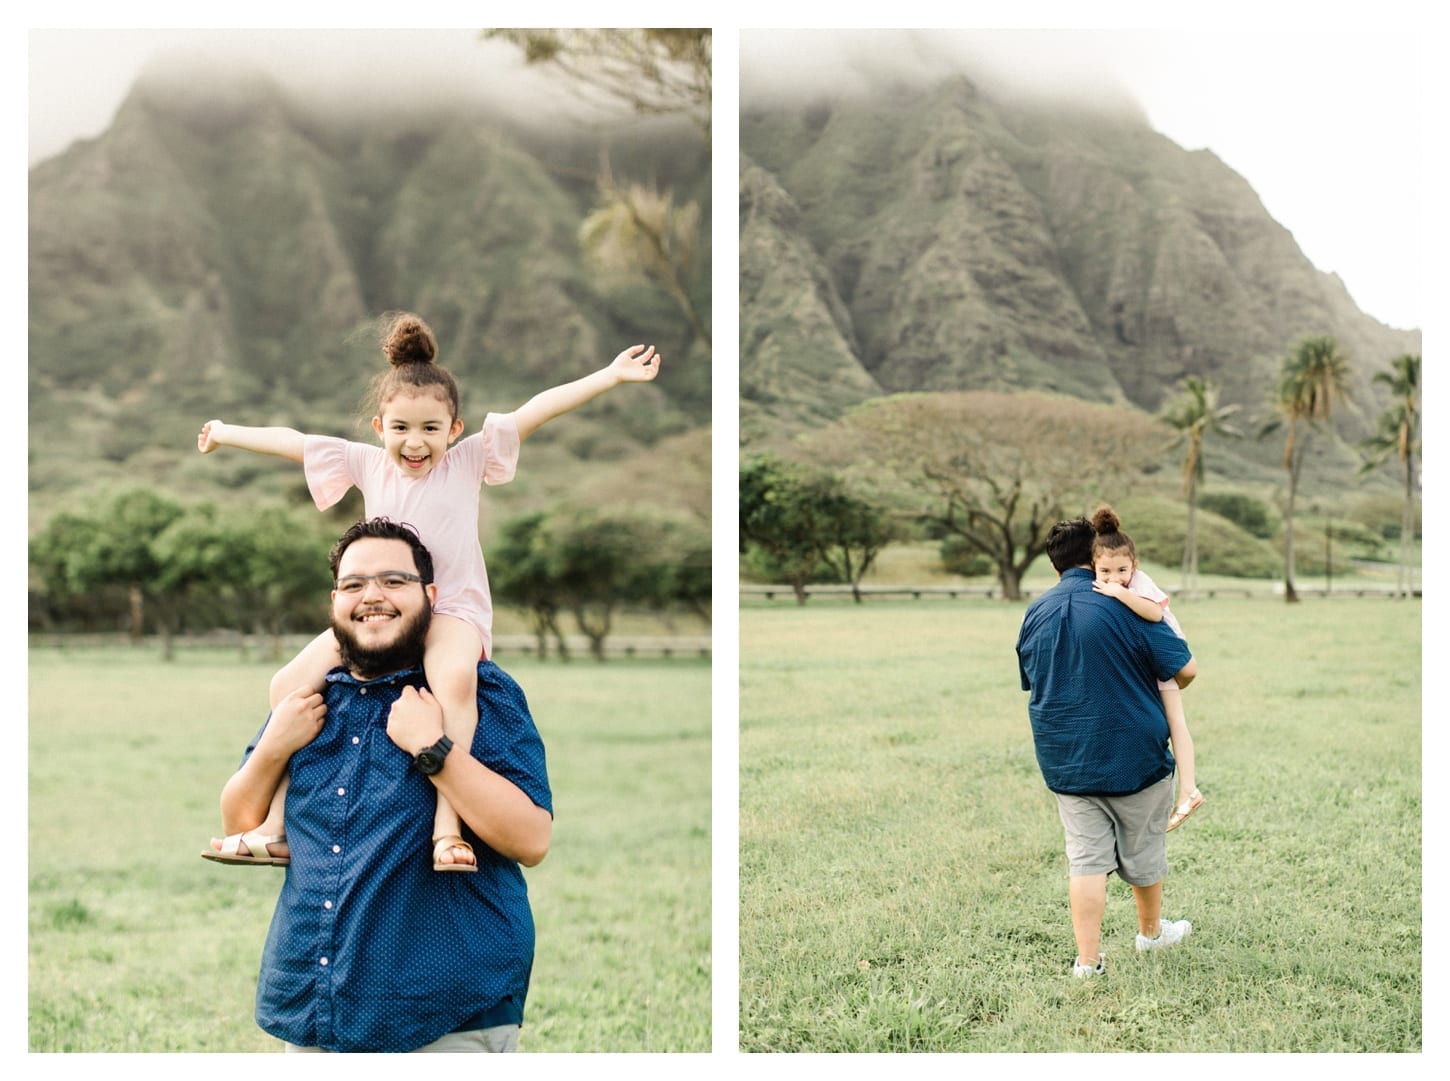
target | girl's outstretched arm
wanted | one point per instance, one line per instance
(636, 364)
(283, 442)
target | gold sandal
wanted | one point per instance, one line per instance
(256, 850)
(452, 841)
(1191, 802)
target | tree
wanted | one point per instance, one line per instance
(115, 547)
(853, 532)
(998, 470)
(1398, 436)
(1196, 414)
(598, 562)
(636, 230)
(1314, 376)
(808, 524)
(653, 72)
(520, 573)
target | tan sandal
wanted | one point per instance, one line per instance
(1191, 802)
(256, 850)
(452, 841)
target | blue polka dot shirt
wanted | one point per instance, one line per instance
(370, 949)
(1093, 668)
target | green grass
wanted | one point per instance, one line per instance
(135, 944)
(902, 880)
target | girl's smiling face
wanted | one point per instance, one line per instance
(1115, 566)
(416, 429)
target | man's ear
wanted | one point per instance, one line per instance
(431, 589)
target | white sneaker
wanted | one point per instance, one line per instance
(1170, 933)
(1083, 971)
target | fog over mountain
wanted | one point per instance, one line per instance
(912, 224)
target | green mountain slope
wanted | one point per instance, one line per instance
(222, 249)
(960, 240)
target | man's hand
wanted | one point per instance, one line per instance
(635, 365)
(1110, 589)
(206, 442)
(296, 721)
(416, 720)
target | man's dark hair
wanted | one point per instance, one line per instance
(1070, 544)
(384, 529)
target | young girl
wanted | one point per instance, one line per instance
(416, 477)
(1115, 566)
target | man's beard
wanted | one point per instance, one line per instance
(370, 662)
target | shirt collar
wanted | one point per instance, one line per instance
(342, 675)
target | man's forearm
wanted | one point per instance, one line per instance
(495, 808)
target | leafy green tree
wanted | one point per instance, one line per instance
(520, 573)
(997, 470)
(114, 548)
(1196, 414)
(1397, 436)
(598, 562)
(1314, 376)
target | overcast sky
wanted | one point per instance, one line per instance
(1325, 127)
(1270, 104)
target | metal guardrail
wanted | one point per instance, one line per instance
(684, 646)
(770, 592)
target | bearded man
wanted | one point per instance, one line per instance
(369, 949)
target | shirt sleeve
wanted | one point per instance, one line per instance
(1144, 586)
(325, 464)
(1170, 653)
(500, 448)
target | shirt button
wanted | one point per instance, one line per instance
(354, 741)
(336, 849)
(362, 690)
(342, 791)
(324, 961)
(326, 904)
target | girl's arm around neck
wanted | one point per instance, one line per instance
(281, 442)
(1140, 606)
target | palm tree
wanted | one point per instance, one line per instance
(1195, 414)
(1314, 376)
(1399, 435)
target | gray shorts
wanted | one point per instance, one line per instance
(501, 1038)
(1126, 834)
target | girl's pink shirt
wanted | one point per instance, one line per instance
(442, 505)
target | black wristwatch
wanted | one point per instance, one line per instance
(430, 759)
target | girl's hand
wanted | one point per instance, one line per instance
(206, 442)
(636, 365)
(296, 720)
(1110, 589)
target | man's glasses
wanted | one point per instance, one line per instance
(390, 581)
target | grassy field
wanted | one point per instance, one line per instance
(902, 880)
(136, 944)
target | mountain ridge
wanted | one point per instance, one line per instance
(982, 242)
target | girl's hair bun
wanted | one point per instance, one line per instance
(408, 340)
(1105, 520)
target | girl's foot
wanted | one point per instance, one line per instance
(258, 848)
(453, 853)
(1186, 806)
